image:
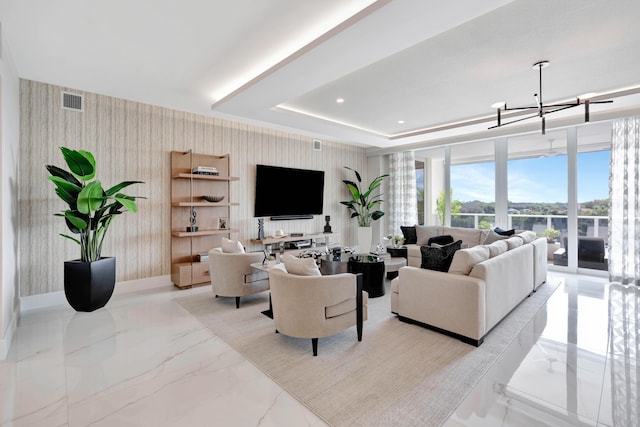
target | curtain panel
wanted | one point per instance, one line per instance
(403, 206)
(624, 212)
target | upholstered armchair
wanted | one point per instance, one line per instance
(232, 274)
(316, 306)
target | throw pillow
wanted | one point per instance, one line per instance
(409, 234)
(439, 259)
(493, 237)
(502, 232)
(464, 259)
(301, 266)
(424, 233)
(440, 240)
(232, 246)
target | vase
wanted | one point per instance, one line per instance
(364, 239)
(88, 286)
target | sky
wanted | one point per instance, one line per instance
(536, 180)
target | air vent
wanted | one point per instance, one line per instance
(317, 145)
(72, 101)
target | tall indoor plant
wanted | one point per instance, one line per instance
(89, 281)
(364, 206)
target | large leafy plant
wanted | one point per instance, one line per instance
(90, 208)
(364, 204)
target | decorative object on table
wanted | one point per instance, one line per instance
(88, 281)
(279, 233)
(260, 228)
(398, 240)
(364, 206)
(223, 224)
(213, 199)
(327, 226)
(192, 220)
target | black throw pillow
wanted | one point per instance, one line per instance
(502, 232)
(440, 240)
(439, 258)
(409, 233)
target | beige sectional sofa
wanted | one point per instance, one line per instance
(484, 282)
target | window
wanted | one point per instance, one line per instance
(472, 189)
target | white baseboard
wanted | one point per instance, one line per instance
(51, 299)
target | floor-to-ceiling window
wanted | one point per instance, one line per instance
(472, 189)
(537, 183)
(592, 188)
(555, 184)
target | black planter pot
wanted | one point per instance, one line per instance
(88, 286)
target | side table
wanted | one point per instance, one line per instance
(372, 269)
(392, 265)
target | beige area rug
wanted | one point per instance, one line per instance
(399, 374)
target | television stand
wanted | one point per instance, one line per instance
(313, 238)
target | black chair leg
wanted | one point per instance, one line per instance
(237, 302)
(314, 344)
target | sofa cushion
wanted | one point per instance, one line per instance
(231, 246)
(514, 242)
(409, 233)
(496, 248)
(439, 258)
(469, 236)
(528, 236)
(464, 259)
(301, 266)
(440, 240)
(502, 232)
(493, 237)
(425, 232)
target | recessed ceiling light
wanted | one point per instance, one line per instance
(340, 100)
(401, 121)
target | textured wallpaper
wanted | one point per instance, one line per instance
(133, 141)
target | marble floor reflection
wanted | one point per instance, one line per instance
(575, 364)
(145, 361)
(141, 361)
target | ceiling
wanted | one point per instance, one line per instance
(284, 63)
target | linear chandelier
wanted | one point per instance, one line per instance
(541, 109)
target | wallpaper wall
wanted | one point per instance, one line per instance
(133, 141)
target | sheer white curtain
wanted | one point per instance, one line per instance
(624, 212)
(403, 207)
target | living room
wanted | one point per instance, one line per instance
(131, 134)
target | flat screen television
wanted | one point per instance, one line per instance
(288, 193)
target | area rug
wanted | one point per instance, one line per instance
(399, 374)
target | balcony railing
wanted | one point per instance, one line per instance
(588, 226)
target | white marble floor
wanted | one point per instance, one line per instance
(563, 370)
(144, 361)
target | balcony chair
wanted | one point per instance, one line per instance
(591, 253)
(232, 274)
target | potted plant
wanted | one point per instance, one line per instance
(553, 245)
(364, 206)
(88, 281)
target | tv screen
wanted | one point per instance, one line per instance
(287, 193)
